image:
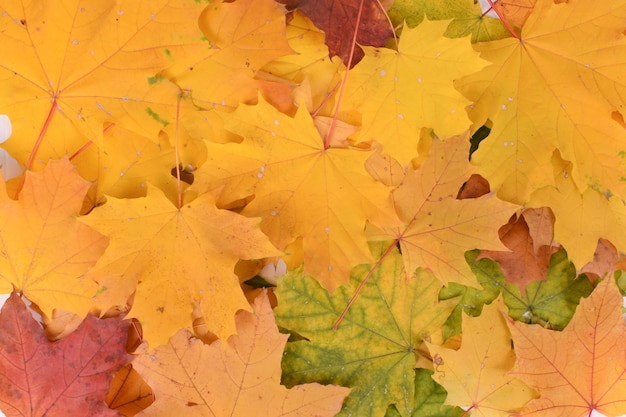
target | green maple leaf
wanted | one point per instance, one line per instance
(374, 350)
(552, 301)
(429, 398)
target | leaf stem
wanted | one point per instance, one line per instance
(33, 153)
(362, 284)
(178, 182)
(503, 19)
(331, 129)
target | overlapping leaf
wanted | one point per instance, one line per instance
(439, 228)
(559, 87)
(302, 190)
(68, 377)
(594, 339)
(176, 258)
(399, 92)
(61, 77)
(238, 378)
(373, 357)
(476, 376)
(32, 261)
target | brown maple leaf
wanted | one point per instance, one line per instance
(337, 18)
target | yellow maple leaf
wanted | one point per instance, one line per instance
(582, 368)
(558, 87)
(45, 252)
(235, 378)
(438, 228)
(70, 68)
(476, 375)
(399, 92)
(242, 36)
(582, 217)
(175, 258)
(302, 190)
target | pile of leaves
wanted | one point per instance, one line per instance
(426, 198)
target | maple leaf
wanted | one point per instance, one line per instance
(32, 261)
(374, 357)
(242, 37)
(240, 377)
(176, 257)
(522, 265)
(302, 190)
(551, 301)
(438, 227)
(129, 394)
(547, 360)
(429, 398)
(337, 20)
(554, 88)
(67, 377)
(475, 376)
(467, 18)
(583, 215)
(398, 92)
(66, 82)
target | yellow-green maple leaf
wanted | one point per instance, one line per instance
(302, 190)
(175, 258)
(467, 17)
(438, 228)
(556, 87)
(375, 347)
(399, 92)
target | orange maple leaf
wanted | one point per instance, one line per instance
(237, 378)
(45, 251)
(439, 228)
(87, 62)
(175, 258)
(582, 368)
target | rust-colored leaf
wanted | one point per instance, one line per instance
(69, 377)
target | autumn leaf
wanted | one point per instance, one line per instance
(552, 301)
(175, 258)
(240, 37)
(373, 357)
(578, 226)
(302, 190)
(32, 262)
(129, 394)
(337, 18)
(66, 377)
(467, 18)
(240, 377)
(521, 265)
(62, 81)
(581, 369)
(476, 376)
(540, 93)
(438, 227)
(429, 398)
(398, 92)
